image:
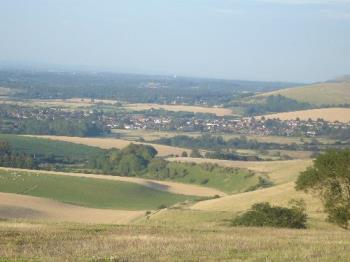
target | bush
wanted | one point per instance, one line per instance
(265, 215)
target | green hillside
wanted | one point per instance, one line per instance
(87, 192)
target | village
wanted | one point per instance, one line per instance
(178, 122)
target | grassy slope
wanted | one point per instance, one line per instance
(86, 191)
(229, 180)
(277, 171)
(334, 93)
(39, 146)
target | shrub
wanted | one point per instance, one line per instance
(265, 215)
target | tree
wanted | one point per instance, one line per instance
(329, 178)
(184, 154)
(195, 153)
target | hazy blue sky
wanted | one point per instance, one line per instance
(292, 40)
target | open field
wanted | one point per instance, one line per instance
(277, 171)
(5, 91)
(171, 187)
(228, 180)
(13, 206)
(151, 135)
(178, 108)
(328, 114)
(279, 195)
(332, 93)
(41, 146)
(108, 143)
(63, 103)
(86, 191)
(67, 242)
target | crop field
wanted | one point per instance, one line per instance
(40, 146)
(150, 135)
(328, 114)
(72, 242)
(181, 108)
(277, 171)
(108, 143)
(88, 192)
(318, 94)
(167, 186)
(14, 207)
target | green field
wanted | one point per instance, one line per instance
(87, 192)
(40, 146)
(229, 180)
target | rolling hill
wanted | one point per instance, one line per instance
(335, 92)
(327, 114)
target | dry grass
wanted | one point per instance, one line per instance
(278, 171)
(65, 242)
(318, 94)
(107, 143)
(177, 108)
(328, 114)
(171, 187)
(13, 206)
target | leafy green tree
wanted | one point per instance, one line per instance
(329, 178)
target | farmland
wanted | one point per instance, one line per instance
(14, 206)
(167, 186)
(327, 114)
(89, 192)
(181, 108)
(107, 143)
(329, 93)
(41, 146)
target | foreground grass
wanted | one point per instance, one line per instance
(68, 242)
(88, 192)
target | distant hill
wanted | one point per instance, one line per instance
(334, 92)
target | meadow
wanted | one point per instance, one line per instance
(228, 180)
(23, 241)
(88, 192)
(278, 172)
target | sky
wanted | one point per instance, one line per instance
(269, 40)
